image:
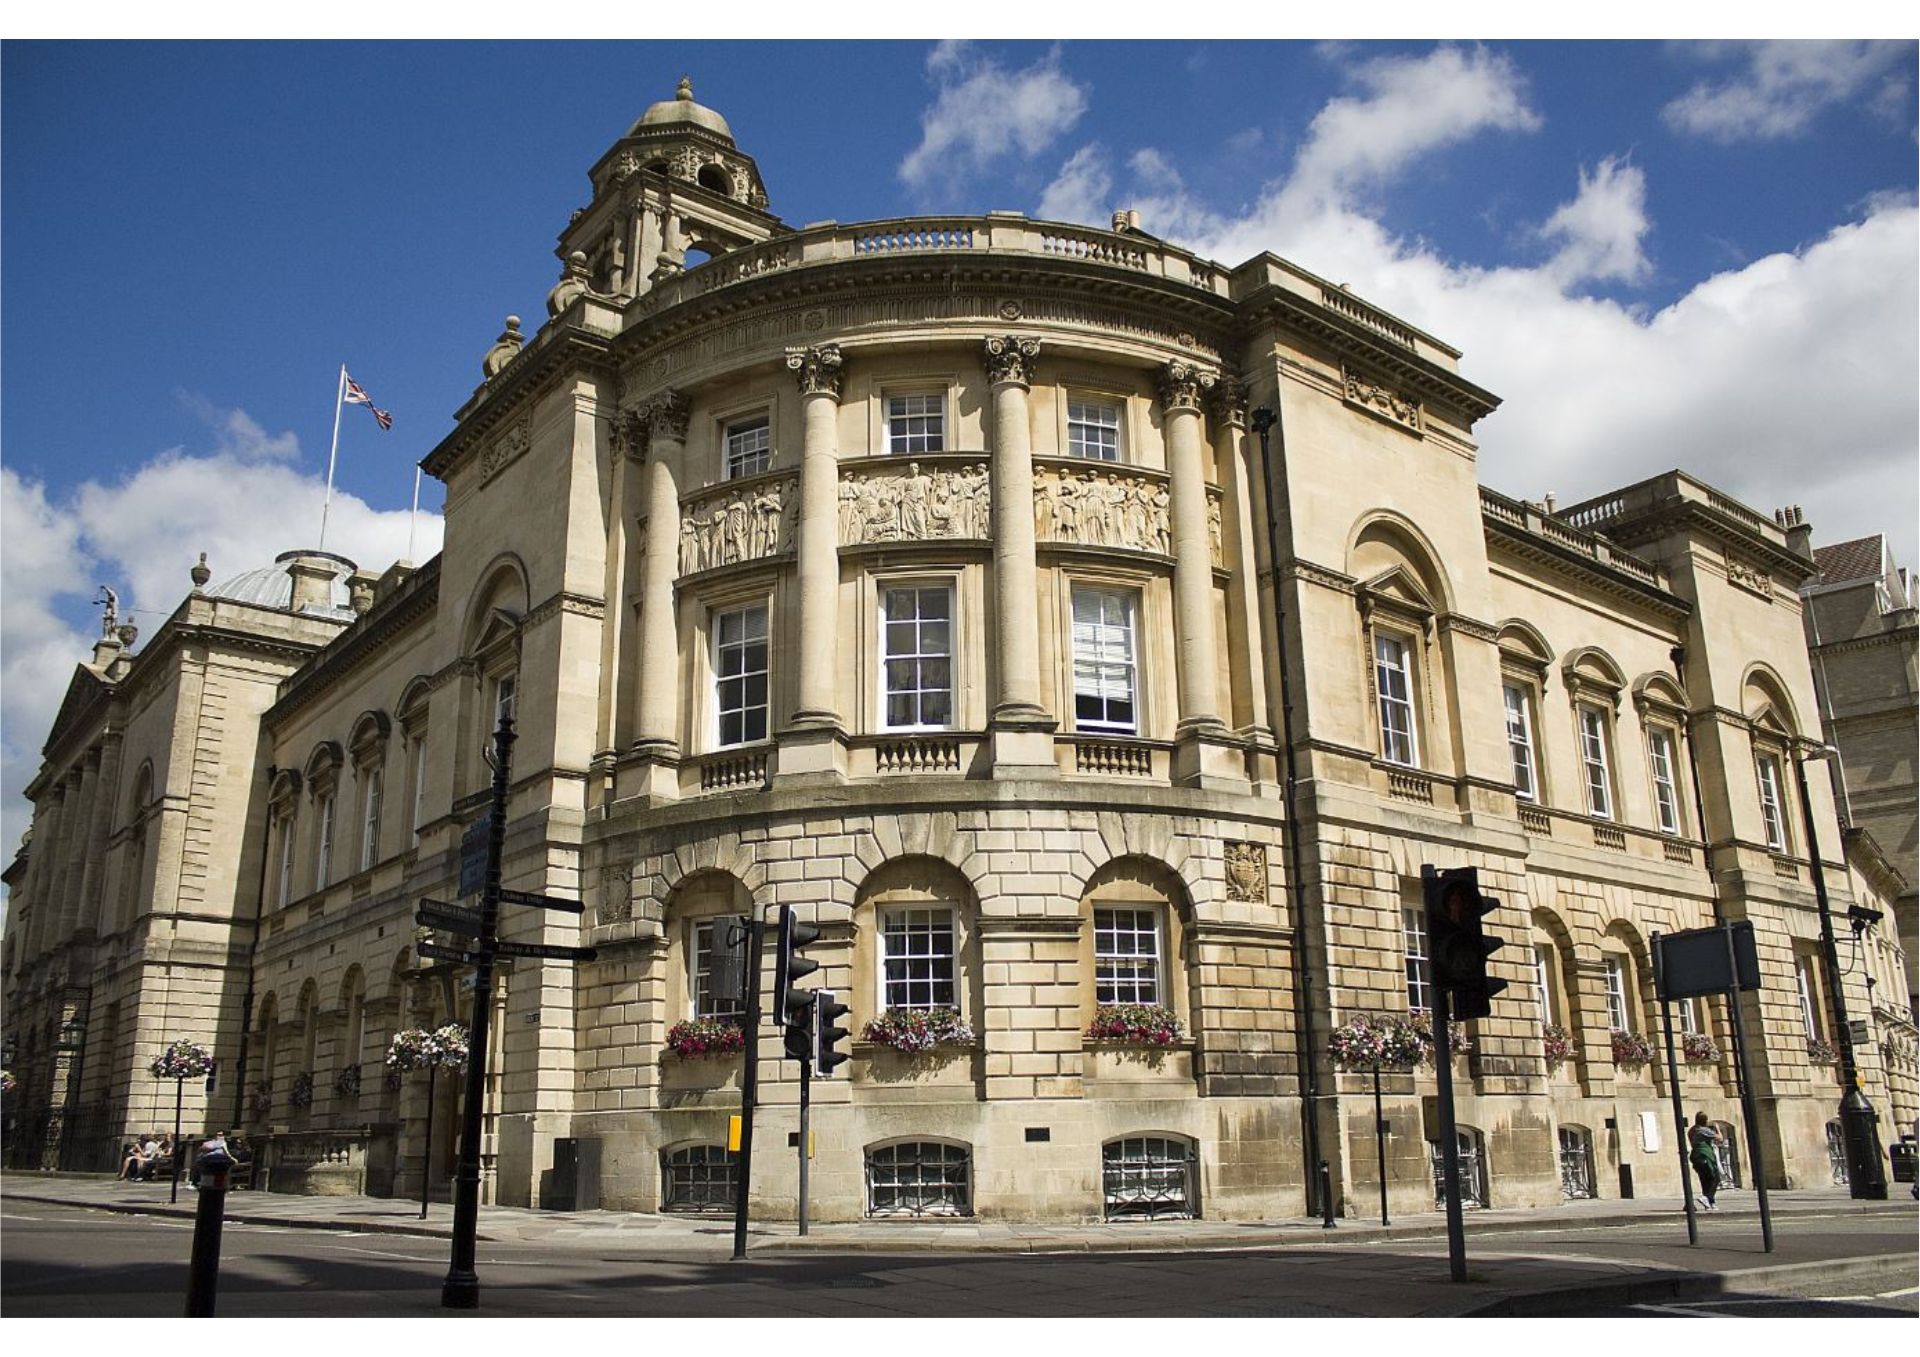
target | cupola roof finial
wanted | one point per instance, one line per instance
(686, 89)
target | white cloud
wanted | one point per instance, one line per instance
(1082, 191)
(1785, 85)
(985, 113)
(1599, 231)
(243, 502)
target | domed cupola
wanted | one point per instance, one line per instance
(673, 192)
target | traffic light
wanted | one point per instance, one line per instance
(794, 1005)
(827, 1011)
(1457, 944)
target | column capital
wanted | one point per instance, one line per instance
(1010, 358)
(1184, 385)
(665, 415)
(819, 370)
(1227, 402)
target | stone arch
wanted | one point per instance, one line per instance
(500, 601)
(370, 731)
(1521, 640)
(1592, 668)
(1382, 541)
(1766, 701)
(353, 1017)
(326, 758)
(1658, 689)
(923, 896)
(714, 178)
(1125, 891)
(142, 790)
(698, 896)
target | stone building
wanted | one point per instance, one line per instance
(923, 575)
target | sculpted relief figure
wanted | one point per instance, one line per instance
(1101, 511)
(745, 526)
(917, 505)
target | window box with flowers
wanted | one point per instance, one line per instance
(702, 1054)
(1698, 1049)
(260, 1100)
(915, 1045)
(182, 1060)
(302, 1095)
(1822, 1052)
(1555, 1044)
(1152, 1025)
(1421, 1022)
(347, 1082)
(1131, 1043)
(1631, 1051)
(1385, 1040)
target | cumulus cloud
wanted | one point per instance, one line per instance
(1082, 190)
(1783, 86)
(242, 500)
(1599, 231)
(985, 113)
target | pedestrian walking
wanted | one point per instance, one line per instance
(1704, 1150)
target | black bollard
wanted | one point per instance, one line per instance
(203, 1273)
(1326, 1197)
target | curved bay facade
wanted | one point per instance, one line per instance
(918, 575)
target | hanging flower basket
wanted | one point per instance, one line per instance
(1698, 1048)
(1135, 1025)
(1555, 1043)
(700, 1038)
(260, 1101)
(7, 1082)
(182, 1060)
(1630, 1049)
(1383, 1039)
(415, 1048)
(918, 1030)
(1822, 1052)
(1421, 1021)
(302, 1095)
(347, 1082)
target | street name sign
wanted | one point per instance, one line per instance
(447, 918)
(439, 953)
(540, 901)
(544, 951)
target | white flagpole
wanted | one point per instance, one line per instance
(414, 514)
(339, 398)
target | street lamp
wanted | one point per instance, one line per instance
(1865, 1178)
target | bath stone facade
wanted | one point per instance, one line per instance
(946, 580)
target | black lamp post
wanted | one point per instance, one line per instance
(1866, 1179)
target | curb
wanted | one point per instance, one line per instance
(1671, 1286)
(178, 1212)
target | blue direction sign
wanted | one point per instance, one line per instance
(473, 858)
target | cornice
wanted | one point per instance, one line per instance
(347, 651)
(514, 386)
(1724, 529)
(580, 605)
(1519, 542)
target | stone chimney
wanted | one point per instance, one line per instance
(1799, 532)
(313, 574)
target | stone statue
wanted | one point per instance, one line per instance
(110, 619)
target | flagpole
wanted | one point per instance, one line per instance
(339, 398)
(414, 513)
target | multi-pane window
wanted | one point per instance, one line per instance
(420, 780)
(1103, 661)
(1413, 928)
(705, 1003)
(370, 818)
(919, 1179)
(917, 423)
(917, 656)
(740, 675)
(286, 860)
(1542, 967)
(1093, 430)
(1126, 956)
(699, 1178)
(749, 447)
(504, 689)
(1809, 1012)
(917, 958)
(323, 844)
(1150, 1177)
(1520, 742)
(1593, 760)
(1688, 1015)
(1770, 817)
(1617, 992)
(1666, 803)
(1394, 683)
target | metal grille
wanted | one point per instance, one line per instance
(699, 1178)
(1126, 956)
(1150, 1178)
(1576, 1164)
(920, 1179)
(1473, 1187)
(1728, 1156)
(1837, 1152)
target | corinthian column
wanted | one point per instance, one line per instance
(1021, 723)
(1248, 675)
(663, 423)
(821, 377)
(1182, 387)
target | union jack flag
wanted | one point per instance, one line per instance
(357, 395)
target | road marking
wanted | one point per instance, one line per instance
(8, 1215)
(381, 1253)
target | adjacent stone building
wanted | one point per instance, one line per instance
(972, 584)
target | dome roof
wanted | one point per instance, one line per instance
(270, 586)
(681, 110)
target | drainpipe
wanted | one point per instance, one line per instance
(253, 947)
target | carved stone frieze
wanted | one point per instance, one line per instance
(916, 504)
(1010, 358)
(819, 370)
(1184, 385)
(1246, 871)
(513, 440)
(744, 525)
(1383, 401)
(1101, 507)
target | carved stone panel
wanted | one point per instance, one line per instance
(616, 895)
(746, 524)
(915, 503)
(515, 439)
(1247, 871)
(1101, 507)
(1752, 578)
(1390, 405)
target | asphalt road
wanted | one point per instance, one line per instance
(66, 1261)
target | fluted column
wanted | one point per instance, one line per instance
(1248, 673)
(1182, 387)
(105, 761)
(1017, 709)
(820, 376)
(663, 422)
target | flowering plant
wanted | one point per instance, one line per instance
(1421, 1021)
(1699, 1049)
(302, 1095)
(415, 1048)
(260, 1101)
(918, 1030)
(1135, 1025)
(1384, 1039)
(7, 1082)
(182, 1060)
(1822, 1052)
(1556, 1043)
(347, 1082)
(697, 1037)
(1630, 1048)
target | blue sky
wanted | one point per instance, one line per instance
(1658, 253)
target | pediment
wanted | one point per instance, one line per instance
(501, 629)
(1398, 587)
(82, 689)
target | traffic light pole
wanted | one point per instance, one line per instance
(1449, 1136)
(806, 1127)
(1749, 1114)
(1679, 1112)
(749, 1089)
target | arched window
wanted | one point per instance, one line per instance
(706, 943)
(699, 1178)
(715, 179)
(1594, 683)
(914, 942)
(920, 1178)
(1152, 1177)
(1473, 1169)
(354, 1002)
(1133, 938)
